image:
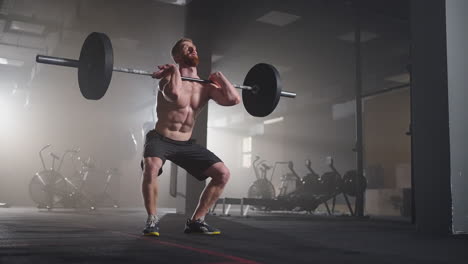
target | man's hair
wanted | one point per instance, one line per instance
(177, 46)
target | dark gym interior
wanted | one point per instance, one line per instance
(360, 156)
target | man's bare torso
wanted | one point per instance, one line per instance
(176, 121)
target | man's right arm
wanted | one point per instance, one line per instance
(171, 84)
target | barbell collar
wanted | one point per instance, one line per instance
(57, 61)
(288, 94)
(243, 87)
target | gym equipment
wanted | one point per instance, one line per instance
(330, 183)
(349, 183)
(311, 181)
(48, 188)
(262, 86)
(94, 184)
(262, 188)
(290, 181)
(339, 187)
(306, 193)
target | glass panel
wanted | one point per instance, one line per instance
(308, 42)
(386, 109)
(387, 154)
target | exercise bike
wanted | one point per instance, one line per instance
(290, 181)
(262, 188)
(50, 189)
(301, 194)
(89, 180)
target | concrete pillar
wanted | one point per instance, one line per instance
(197, 21)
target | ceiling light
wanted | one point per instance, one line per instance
(11, 62)
(176, 2)
(27, 27)
(365, 36)
(272, 121)
(278, 18)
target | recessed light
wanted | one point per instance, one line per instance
(176, 2)
(273, 120)
(17, 63)
(278, 18)
(27, 27)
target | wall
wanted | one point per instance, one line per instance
(457, 41)
(429, 117)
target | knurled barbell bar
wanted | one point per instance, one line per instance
(261, 89)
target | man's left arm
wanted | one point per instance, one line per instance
(222, 91)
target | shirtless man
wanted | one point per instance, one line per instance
(179, 103)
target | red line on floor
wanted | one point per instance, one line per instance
(199, 250)
(237, 260)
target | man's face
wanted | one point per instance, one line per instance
(189, 54)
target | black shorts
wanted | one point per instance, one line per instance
(195, 159)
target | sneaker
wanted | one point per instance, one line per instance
(200, 227)
(152, 226)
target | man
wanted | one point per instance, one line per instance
(179, 102)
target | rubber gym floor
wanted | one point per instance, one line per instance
(29, 235)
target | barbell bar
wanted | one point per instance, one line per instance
(238, 86)
(262, 86)
(75, 64)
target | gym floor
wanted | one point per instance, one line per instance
(29, 235)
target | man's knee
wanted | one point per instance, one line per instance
(222, 175)
(151, 169)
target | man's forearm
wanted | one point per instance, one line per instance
(230, 93)
(173, 86)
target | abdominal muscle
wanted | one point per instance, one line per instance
(176, 125)
(176, 122)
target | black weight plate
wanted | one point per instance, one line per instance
(267, 79)
(95, 66)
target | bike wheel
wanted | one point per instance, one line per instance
(47, 188)
(262, 189)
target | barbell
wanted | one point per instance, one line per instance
(261, 90)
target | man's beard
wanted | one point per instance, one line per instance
(191, 61)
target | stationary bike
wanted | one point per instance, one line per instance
(262, 188)
(48, 188)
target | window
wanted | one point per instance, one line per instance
(247, 152)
